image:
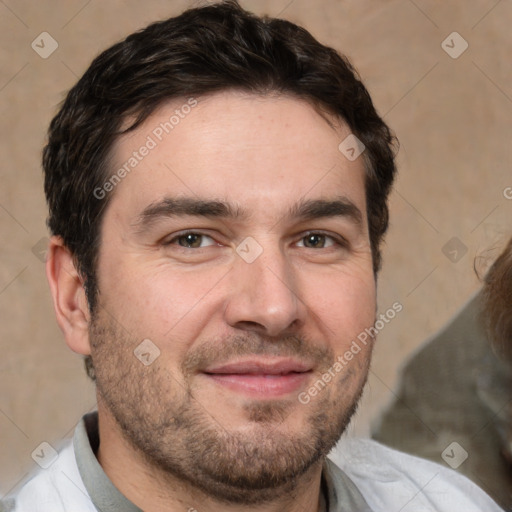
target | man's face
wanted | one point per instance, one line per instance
(241, 326)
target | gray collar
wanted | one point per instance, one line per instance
(339, 492)
(104, 494)
(342, 494)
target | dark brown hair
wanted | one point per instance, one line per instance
(202, 51)
(497, 299)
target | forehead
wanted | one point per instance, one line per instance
(263, 152)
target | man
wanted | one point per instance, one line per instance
(217, 187)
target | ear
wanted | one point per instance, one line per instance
(69, 299)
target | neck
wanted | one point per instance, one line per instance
(153, 490)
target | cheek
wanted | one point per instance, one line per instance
(160, 302)
(344, 305)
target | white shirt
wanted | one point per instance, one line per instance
(364, 477)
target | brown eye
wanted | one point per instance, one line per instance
(190, 240)
(314, 241)
(317, 241)
(193, 240)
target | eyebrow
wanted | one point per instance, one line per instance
(324, 208)
(189, 206)
(186, 206)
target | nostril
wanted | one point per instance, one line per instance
(249, 325)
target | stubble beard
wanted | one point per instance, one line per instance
(176, 435)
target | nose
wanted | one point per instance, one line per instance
(265, 296)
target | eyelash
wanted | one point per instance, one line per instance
(176, 237)
(337, 239)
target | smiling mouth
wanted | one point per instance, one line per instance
(261, 378)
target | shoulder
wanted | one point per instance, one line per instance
(58, 488)
(389, 480)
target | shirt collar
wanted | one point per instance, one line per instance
(339, 493)
(104, 494)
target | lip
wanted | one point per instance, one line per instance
(263, 366)
(261, 378)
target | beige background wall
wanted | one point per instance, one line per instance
(452, 117)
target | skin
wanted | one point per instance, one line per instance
(172, 436)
